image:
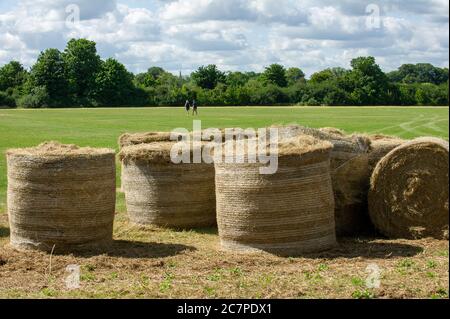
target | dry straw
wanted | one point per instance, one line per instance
(349, 173)
(129, 139)
(60, 196)
(287, 213)
(408, 195)
(380, 146)
(162, 193)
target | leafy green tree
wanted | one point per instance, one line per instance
(236, 79)
(49, 73)
(145, 80)
(207, 77)
(12, 75)
(321, 76)
(275, 74)
(419, 73)
(369, 82)
(293, 75)
(150, 78)
(82, 65)
(113, 84)
(156, 72)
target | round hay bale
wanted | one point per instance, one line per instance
(60, 196)
(128, 139)
(287, 213)
(408, 195)
(380, 146)
(349, 173)
(165, 194)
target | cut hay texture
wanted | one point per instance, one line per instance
(380, 146)
(60, 196)
(287, 213)
(162, 193)
(349, 173)
(408, 195)
(129, 139)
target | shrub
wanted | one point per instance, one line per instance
(7, 100)
(38, 97)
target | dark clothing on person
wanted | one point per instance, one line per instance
(194, 108)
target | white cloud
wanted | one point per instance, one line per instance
(234, 34)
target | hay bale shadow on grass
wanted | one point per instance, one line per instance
(368, 247)
(134, 249)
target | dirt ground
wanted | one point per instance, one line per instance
(147, 262)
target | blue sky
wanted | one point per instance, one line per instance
(180, 35)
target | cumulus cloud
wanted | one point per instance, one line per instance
(181, 35)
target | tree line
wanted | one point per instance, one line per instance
(78, 77)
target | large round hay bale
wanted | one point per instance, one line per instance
(380, 146)
(162, 193)
(349, 174)
(289, 212)
(60, 196)
(128, 139)
(408, 195)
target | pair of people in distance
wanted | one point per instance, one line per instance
(188, 105)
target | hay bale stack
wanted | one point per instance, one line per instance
(408, 195)
(165, 194)
(60, 195)
(287, 213)
(380, 146)
(349, 174)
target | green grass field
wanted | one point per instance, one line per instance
(102, 127)
(151, 262)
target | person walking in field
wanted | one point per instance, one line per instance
(187, 106)
(194, 108)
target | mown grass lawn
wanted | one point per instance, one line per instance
(153, 262)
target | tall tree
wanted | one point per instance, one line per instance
(294, 75)
(49, 73)
(207, 77)
(419, 73)
(113, 84)
(275, 74)
(12, 75)
(237, 78)
(82, 63)
(370, 84)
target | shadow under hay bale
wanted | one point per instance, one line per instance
(165, 194)
(4, 232)
(136, 249)
(349, 174)
(287, 213)
(408, 196)
(367, 248)
(60, 196)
